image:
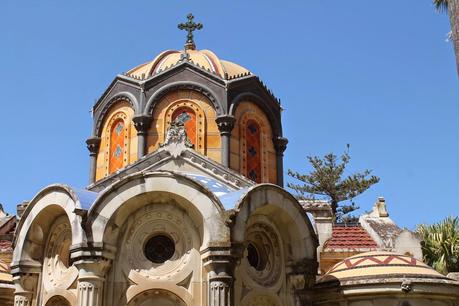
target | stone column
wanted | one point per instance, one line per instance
(280, 144)
(301, 277)
(141, 123)
(220, 289)
(91, 281)
(25, 288)
(225, 126)
(220, 266)
(93, 145)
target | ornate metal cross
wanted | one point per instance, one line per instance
(190, 26)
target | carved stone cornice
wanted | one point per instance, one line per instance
(280, 144)
(225, 124)
(93, 144)
(141, 124)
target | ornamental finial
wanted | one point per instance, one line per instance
(190, 26)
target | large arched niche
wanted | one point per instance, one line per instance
(159, 242)
(114, 205)
(32, 233)
(160, 297)
(276, 236)
(299, 239)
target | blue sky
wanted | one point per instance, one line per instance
(379, 76)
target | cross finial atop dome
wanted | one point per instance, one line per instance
(190, 26)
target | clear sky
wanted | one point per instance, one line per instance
(378, 75)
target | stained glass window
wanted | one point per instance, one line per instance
(188, 117)
(253, 150)
(116, 146)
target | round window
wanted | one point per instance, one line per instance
(254, 257)
(159, 248)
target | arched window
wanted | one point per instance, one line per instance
(117, 146)
(253, 150)
(57, 300)
(188, 117)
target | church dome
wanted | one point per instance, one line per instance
(5, 276)
(379, 264)
(205, 59)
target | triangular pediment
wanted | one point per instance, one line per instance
(179, 159)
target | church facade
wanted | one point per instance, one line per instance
(186, 207)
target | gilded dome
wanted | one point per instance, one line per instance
(203, 58)
(5, 276)
(379, 264)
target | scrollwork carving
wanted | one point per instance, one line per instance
(159, 219)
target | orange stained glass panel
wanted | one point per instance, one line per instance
(253, 150)
(116, 146)
(188, 117)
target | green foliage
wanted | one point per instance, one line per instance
(440, 246)
(327, 180)
(441, 5)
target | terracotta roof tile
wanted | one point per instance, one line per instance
(350, 238)
(5, 245)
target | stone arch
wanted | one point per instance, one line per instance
(50, 203)
(284, 210)
(108, 211)
(165, 294)
(62, 299)
(119, 97)
(57, 272)
(187, 85)
(276, 125)
(270, 220)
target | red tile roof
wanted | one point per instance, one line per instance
(5, 245)
(346, 238)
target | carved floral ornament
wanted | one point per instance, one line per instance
(57, 272)
(159, 220)
(262, 265)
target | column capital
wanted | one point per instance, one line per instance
(280, 144)
(25, 287)
(92, 268)
(220, 265)
(225, 124)
(219, 260)
(141, 123)
(93, 144)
